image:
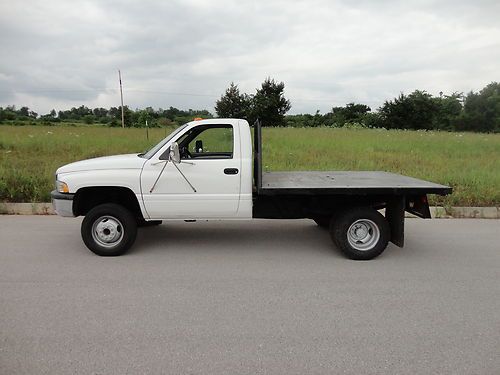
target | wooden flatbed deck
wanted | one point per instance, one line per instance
(346, 182)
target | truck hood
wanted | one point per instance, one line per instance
(127, 161)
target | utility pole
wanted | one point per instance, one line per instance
(121, 96)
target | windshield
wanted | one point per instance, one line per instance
(154, 150)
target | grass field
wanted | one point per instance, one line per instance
(470, 163)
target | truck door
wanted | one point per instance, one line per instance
(207, 181)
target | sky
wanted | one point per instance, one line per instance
(61, 54)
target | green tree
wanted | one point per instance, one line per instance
(88, 119)
(24, 111)
(144, 115)
(481, 110)
(233, 104)
(449, 109)
(415, 111)
(128, 116)
(352, 112)
(269, 104)
(7, 114)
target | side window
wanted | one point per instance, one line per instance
(208, 142)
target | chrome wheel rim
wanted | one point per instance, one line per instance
(363, 235)
(107, 231)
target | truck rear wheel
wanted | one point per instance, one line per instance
(360, 233)
(109, 229)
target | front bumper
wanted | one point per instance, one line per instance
(62, 203)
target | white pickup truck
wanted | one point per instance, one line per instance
(207, 169)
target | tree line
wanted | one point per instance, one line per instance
(475, 111)
(111, 117)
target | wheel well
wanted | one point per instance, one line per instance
(89, 197)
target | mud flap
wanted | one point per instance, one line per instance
(395, 215)
(418, 206)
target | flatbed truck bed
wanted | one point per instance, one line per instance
(339, 199)
(346, 182)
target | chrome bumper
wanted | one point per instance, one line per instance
(62, 203)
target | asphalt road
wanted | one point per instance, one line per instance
(261, 297)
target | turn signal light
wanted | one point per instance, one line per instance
(62, 187)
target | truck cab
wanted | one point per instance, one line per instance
(213, 178)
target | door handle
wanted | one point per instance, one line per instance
(231, 171)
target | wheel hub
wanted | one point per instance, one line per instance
(363, 234)
(360, 231)
(107, 231)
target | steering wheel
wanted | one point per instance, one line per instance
(185, 153)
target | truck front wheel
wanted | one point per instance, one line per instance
(109, 229)
(361, 233)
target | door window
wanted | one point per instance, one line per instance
(207, 142)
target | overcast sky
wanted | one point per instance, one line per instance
(59, 54)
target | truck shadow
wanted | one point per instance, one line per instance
(234, 236)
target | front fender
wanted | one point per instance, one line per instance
(123, 178)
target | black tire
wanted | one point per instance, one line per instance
(370, 224)
(117, 221)
(322, 221)
(141, 223)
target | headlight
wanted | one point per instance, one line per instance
(62, 187)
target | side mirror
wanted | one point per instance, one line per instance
(175, 156)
